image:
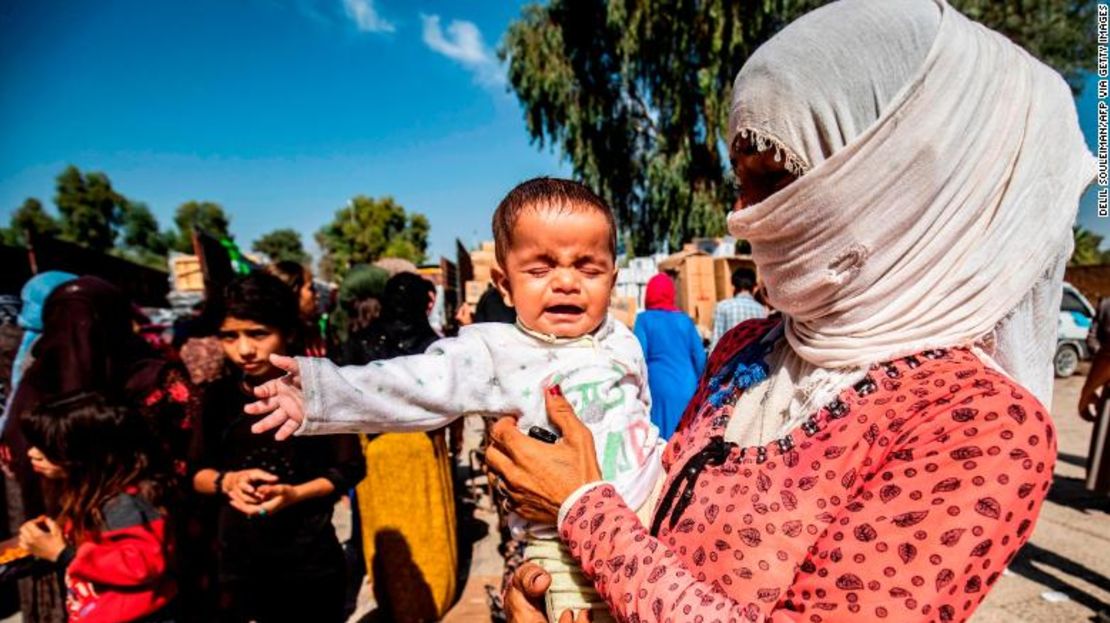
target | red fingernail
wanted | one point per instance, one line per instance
(555, 390)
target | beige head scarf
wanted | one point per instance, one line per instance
(941, 168)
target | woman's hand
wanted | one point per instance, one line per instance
(524, 597)
(43, 538)
(539, 476)
(277, 497)
(280, 400)
(242, 491)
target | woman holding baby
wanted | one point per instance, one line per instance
(881, 450)
(908, 184)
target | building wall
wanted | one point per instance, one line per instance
(1092, 281)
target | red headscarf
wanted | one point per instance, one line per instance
(660, 294)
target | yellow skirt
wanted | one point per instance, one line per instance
(407, 509)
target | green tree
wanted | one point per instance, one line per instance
(89, 207)
(1086, 252)
(282, 244)
(1059, 32)
(140, 230)
(207, 215)
(31, 218)
(369, 229)
(635, 94)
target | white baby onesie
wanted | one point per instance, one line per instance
(497, 368)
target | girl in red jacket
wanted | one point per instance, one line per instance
(111, 536)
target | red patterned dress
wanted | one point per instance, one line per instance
(902, 500)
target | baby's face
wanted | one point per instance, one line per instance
(559, 272)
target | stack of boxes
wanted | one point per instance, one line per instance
(628, 295)
(484, 259)
(702, 280)
(186, 274)
(697, 289)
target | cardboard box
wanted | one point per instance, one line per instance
(483, 273)
(187, 273)
(697, 288)
(623, 308)
(474, 291)
(487, 258)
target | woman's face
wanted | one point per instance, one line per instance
(43, 466)
(248, 344)
(757, 172)
(307, 297)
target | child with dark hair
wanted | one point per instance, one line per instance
(274, 529)
(298, 278)
(111, 535)
(556, 242)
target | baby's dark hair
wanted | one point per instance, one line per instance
(542, 191)
(265, 299)
(104, 449)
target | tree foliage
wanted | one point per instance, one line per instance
(282, 244)
(90, 208)
(92, 213)
(1086, 252)
(635, 93)
(140, 232)
(206, 215)
(1059, 32)
(32, 218)
(369, 229)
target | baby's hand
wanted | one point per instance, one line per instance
(281, 401)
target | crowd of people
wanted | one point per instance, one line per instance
(133, 475)
(876, 446)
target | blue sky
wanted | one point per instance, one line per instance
(280, 110)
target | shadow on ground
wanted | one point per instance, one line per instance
(1035, 563)
(469, 530)
(1072, 493)
(1045, 567)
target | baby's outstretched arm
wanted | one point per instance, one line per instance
(280, 400)
(404, 394)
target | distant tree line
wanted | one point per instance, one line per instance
(90, 212)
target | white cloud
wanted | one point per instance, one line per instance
(366, 16)
(463, 44)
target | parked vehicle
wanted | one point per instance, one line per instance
(1076, 316)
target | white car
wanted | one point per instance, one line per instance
(1076, 316)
